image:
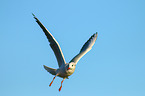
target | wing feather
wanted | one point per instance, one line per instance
(86, 48)
(53, 43)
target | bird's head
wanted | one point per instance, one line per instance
(71, 66)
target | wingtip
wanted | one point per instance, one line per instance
(96, 33)
(33, 14)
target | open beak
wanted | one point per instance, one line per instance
(68, 68)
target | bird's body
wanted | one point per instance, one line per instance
(65, 69)
(62, 71)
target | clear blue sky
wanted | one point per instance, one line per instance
(114, 67)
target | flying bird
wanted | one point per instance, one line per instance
(65, 69)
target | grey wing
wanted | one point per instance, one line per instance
(53, 43)
(86, 47)
(50, 70)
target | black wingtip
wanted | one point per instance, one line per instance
(96, 34)
(33, 15)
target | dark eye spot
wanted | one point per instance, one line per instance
(72, 65)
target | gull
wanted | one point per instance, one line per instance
(65, 69)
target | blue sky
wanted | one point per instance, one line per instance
(114, 67)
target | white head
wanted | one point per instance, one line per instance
(71, 66)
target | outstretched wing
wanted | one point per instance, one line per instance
(86, 47)
(53, 43)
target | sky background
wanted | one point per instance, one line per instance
(114, 67)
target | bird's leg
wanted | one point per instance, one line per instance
(61, 84)
(52, 80)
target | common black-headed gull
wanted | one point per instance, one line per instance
(65, 69)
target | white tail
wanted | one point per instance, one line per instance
(50, 70)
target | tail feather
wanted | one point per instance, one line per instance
(50, 70)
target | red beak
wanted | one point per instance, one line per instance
(68, 68)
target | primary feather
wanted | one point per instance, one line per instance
(53, 43)
(86, 47)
